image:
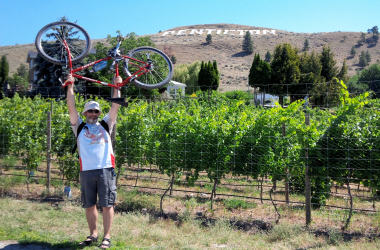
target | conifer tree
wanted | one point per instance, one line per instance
(209, 39)
(247, 43)
(343, 72)
(201, 77)
(362, 39)
(173, 59)
(329, 69)
(353, 51)
(285, 70)
(268, 57)
(375, 34)
(208, 77)
(4, 69)
(368, 57)
(216, 79)
(259, 74)
(310, 68)
(306, 45)
(371, 77)
(363, 59)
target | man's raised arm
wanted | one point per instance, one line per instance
(70, 99)
(115, 106)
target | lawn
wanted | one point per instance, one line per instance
(63, 225)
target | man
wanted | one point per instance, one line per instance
(97, 161)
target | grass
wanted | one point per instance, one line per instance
(65, 225)
(231, 204)
(138, 226)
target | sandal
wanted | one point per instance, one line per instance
(106, 243)
(89, 241)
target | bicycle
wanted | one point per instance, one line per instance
(67, 43)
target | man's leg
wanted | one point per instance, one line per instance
(108, 214)
(92, 217)
(107, 197)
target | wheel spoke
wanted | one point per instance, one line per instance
(158, 66)
(50, 42)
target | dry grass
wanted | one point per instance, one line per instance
(196, 201)
(65, 225)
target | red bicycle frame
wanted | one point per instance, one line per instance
(143, 69)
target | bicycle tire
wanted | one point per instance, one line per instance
(160, 70)
(52, 49)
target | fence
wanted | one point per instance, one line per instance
(320, 152)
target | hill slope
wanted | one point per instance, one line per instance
(187, 44)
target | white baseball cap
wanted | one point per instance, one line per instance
(91, 105)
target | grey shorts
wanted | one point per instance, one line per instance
(98, 183)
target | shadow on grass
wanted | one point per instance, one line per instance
(40, 245)
(345, 236)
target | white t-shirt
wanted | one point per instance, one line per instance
(94, 145)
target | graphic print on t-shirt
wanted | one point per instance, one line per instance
(96, 134)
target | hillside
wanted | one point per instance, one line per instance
(187, 43)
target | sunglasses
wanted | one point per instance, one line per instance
(93, 111)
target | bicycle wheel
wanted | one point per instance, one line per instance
(49, 42)
(159, 66)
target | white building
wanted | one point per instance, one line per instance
(175, 88)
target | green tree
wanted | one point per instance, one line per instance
(188, 74)
(208, 77)
(285, 70)
(306, 45)
(361, 41)
(375, 30)
(310, 68)
(216, 75)
(342, 75)
(202, 83)
(326, 94)
(129, 42)
(329, 69)
(355, 87)
(18, 83)
(20, 80)
(48, 74)
(375, 34)
(268, 57)
(259, 74)
(4, 69)
(247, 43)
(371, 77)
(353, 52)
(23, 71)
(47, 80)
(310, 73)
(173, 59)
(363, 59)
(208, 39)
(368, 57)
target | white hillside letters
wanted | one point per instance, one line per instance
(193, 32)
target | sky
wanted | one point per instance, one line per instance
(22, 19)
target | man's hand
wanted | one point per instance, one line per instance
(70, 80)
(116, 91)
(117, 80)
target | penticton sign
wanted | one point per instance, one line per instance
(236, 32)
